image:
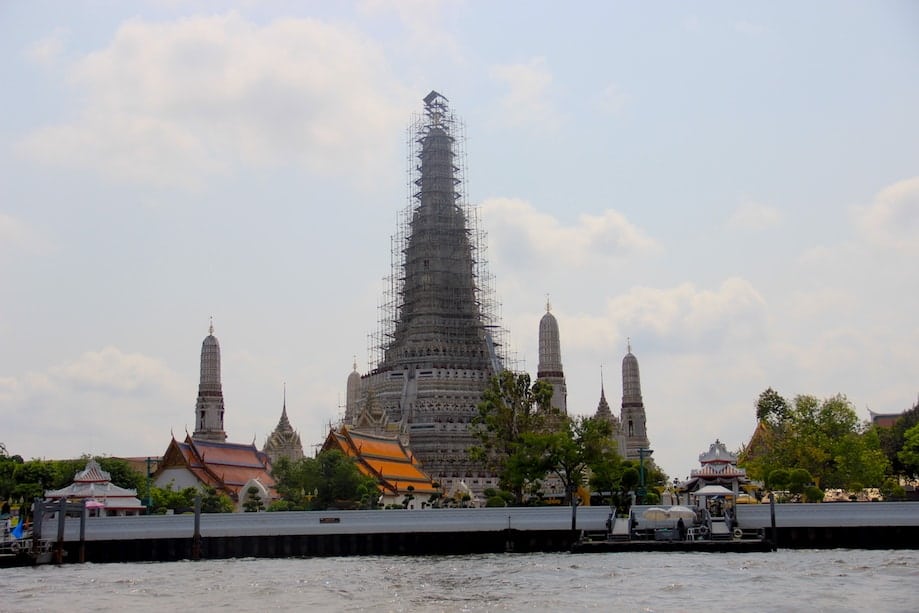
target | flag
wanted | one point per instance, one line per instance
(17, 531)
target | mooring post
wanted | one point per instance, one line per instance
(196, 540)
(61, 518)
(775, 533)
(83, 513)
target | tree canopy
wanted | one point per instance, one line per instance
(331, 479)
(525, 440)
(825, 438)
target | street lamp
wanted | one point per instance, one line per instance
(642, 453)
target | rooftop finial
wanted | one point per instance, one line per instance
(210, 329)
(355, 362)
(548, 305)
(602, 392)
(285, 396)
(628, 342)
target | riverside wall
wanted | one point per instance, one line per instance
(449, 531)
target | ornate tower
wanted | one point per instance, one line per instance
(605, 413)
(633, 409)
(436, 343)
(209, 408)
(352, 394)
(284, 442)
(550, 360)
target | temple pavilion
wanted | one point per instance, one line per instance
(103, 498)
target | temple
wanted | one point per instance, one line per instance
(632, 417)
(103, 498)
(205, 459)
(550, 360)
(439, 342)
(629, 429)
(209, 408)
(284, 442)
(384, 458)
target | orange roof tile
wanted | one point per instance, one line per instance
(382, 458)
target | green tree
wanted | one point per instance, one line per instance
(570, 453)
(771, 407)
(253, 502)
(893, 438)
(798, 479)
(823, 437)
(778, 479)
(213, 501)
(178, 501)
(909, 453)
(331, 479)
(511, 409)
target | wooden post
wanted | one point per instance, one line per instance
(775, 533)
(61, 518)
(83, 512)
(196, 540)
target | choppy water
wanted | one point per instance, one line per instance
(836, 580)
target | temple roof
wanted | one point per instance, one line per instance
(227, 466)
(717, 453)
(383, 458)
(93, 483)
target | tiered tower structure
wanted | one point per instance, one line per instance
(284, 442)
(438, 342)
(549, 368)
(209, 408)
(633, 408)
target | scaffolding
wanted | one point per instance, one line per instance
(446, 174)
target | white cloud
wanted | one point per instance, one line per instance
(177, 103)
(20, 235)
(87, 401)
(424, 22)
(534, 236)
(611, 100)
(892, 219)
(47, 50)
(527, 99)
(684, 318)
(754, 216)
(111, 370)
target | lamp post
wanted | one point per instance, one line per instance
(642, 453)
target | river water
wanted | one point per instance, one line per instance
(829, 580)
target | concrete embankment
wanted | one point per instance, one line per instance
(856, 525)
(328, 533)
(451, 531)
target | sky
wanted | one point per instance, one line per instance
(731, 187)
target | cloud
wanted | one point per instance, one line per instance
(20, 235)
(892, 218)
(110, 370)
(177, 103)
(47, 50)
(527, 99)
(536, 237)
(423, 21)
(684, 318)
(611, 100)
(72, 407)
(753, 217)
